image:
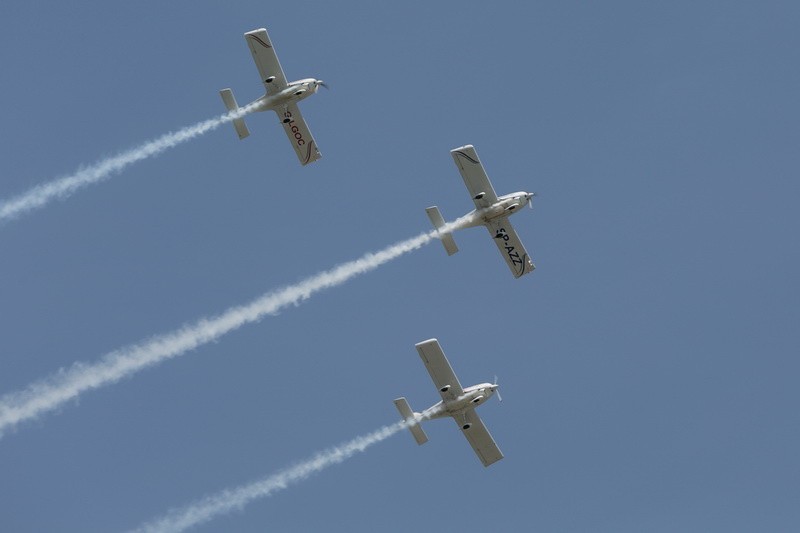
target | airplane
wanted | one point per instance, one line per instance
(490, 210)
(457, 402)
(281, 97)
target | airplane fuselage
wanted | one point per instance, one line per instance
(505, 205)
(294, 92)
(472, 397)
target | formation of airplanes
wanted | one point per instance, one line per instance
(492, 211)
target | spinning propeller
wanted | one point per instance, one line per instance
(497, 390)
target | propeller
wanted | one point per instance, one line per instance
(531, 196)
(497, 390)
(320, 82)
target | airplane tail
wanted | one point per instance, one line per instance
(438, 222)
(230, 103)
(412, 419)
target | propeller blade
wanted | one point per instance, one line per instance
(320, 82)
(497, 390)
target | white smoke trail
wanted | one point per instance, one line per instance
(52, 392)
(41, 195)
(235, 499)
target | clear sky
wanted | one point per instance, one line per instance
(648, 367)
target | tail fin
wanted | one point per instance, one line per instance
(412, 419)
(438, 222)
(230, 103)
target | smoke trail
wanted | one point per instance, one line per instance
(235, 499)
(59, 388)
(62, 188)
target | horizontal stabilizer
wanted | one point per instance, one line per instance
(231, 105)
(438, 222)
(412, 419)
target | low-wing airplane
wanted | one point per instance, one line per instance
(490, 211)
(456, 401)
(281, 97)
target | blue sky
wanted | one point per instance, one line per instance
(648, 367)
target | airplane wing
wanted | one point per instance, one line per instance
(510, 247)
(266, 60)
(480, 439)
(475, 178)
(439, 368)
(299, 134)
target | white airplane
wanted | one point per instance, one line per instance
(456, 401)
(490, 211)
(281, 97)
